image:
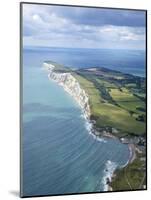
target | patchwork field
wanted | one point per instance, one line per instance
(125, 99)
(118, 107)
(113, 105)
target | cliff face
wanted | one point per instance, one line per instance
(71, 85)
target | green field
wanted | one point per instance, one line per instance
(127, 100)
(132, 177)
(117, 102)
(113, 104)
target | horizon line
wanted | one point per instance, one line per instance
(36, 46)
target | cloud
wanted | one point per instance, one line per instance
(72, 27)
(123, 33)
(99, 17)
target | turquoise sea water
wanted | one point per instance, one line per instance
(60, 156)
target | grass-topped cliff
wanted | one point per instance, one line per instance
(118, 106)
(117, 100)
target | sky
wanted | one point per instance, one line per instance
(81, 27)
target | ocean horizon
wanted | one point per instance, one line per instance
(60, 155)
(83, 99)
(124, 60)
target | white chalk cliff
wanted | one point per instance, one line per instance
(71, 85)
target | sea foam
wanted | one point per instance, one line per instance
(89, 127)
(110, 167)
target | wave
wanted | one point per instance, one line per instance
(110, 167)
(89, 128)
(85, 111)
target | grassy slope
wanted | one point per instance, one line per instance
(109, 114)
(119, 111)
(115, 105)
(132, 177)
(126, 99)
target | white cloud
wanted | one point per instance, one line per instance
(36, 17)
(42, 26)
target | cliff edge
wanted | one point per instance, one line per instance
(70, 85)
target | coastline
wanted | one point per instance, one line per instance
(68, 82)
(71, 86)
(132, 157)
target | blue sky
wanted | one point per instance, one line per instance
(77, 27)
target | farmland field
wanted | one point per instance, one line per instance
(113, 102)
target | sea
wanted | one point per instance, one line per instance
(59, 153)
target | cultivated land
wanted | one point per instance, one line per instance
(114, 100)
(118, 109)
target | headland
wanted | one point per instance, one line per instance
(115, 104)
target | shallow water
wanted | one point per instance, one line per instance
(59, 154)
